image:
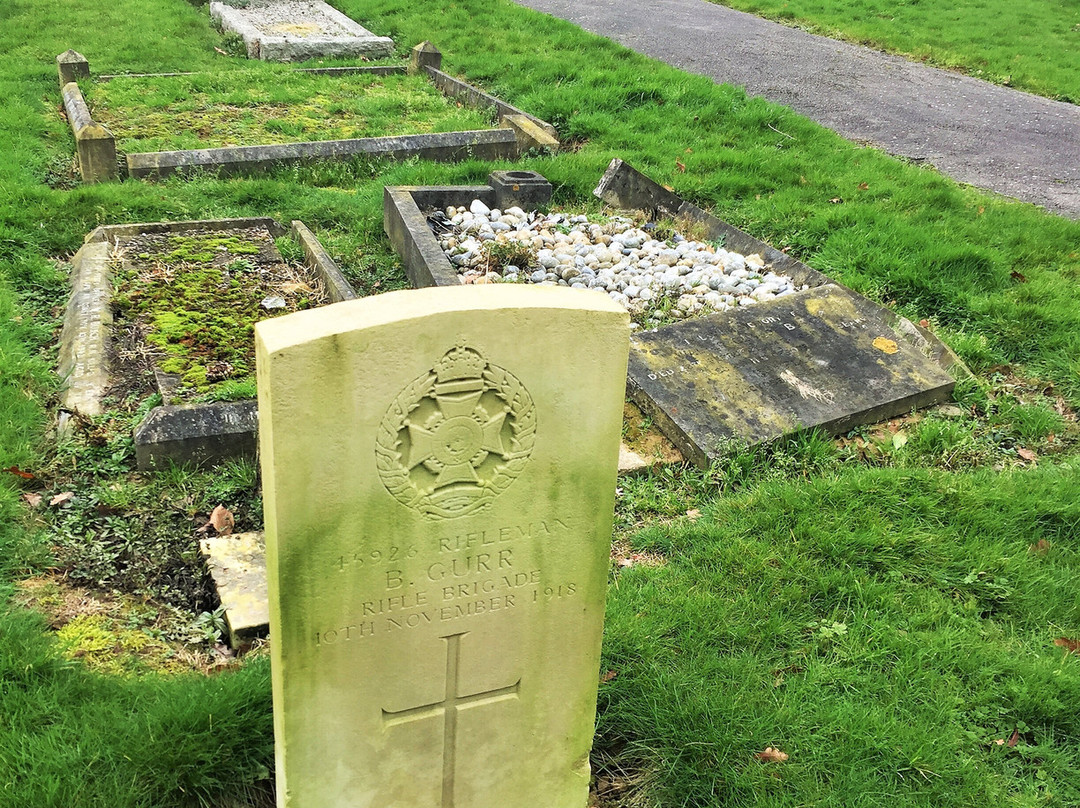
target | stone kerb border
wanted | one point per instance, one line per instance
(94, 143)
(199, 433)
(622, 186)
(517, 132)
(408, 230)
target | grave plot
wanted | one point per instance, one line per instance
(168, 308)
(294, 30)
(735, 340)
(176, 113)
(247, 122)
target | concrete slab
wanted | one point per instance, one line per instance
(294, 30)
(823, 358)
(238, 566)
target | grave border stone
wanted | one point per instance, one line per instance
(198, 433)
(284, 48)
(623, 186)
(411, 236)
(516, 131)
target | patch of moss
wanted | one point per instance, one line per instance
(203, 249)
(105, 645)
(196, 297)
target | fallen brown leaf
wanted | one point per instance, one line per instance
(608, 676)
(680, 165)
(1019, 277)
(924, 323)
(18, 472)
(60, 499)
(289, 288)
(1014, 739)
(1070, 646)
(33, 500)
(863, 186)
(1027, 454)
(771, 755)
(221, 520)
(1040, 548)
(836, 200)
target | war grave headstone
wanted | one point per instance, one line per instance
(137, 323)
(294, 30)
(439, 493)
(103, 132)
(816, 356)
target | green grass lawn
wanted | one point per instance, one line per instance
(270, 103)
(893, 611)
(1032, 45)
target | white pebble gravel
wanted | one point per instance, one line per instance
(656, 281)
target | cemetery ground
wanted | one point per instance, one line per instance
(270, 103)
(1030, 45)
(894, 611)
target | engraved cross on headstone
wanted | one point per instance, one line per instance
(448, 706)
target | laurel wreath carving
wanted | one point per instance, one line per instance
(396, 476)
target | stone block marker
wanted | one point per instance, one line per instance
(238, 566)
(72, 66)
(293, 30)
(438, 492)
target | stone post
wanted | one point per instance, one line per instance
(72, 66)
(425, 55)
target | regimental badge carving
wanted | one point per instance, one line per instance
(456, 437)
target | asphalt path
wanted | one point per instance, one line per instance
(1003, 140)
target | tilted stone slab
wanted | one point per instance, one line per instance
(293, 30)
(238, 566)
(438, 496)
(823, 358)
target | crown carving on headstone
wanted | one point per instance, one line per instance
(460, 363)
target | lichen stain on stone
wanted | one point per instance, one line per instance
(886, 345)
(296, 28)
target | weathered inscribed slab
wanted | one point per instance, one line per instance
(824, 358)
(438, 488)
(292, 30)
